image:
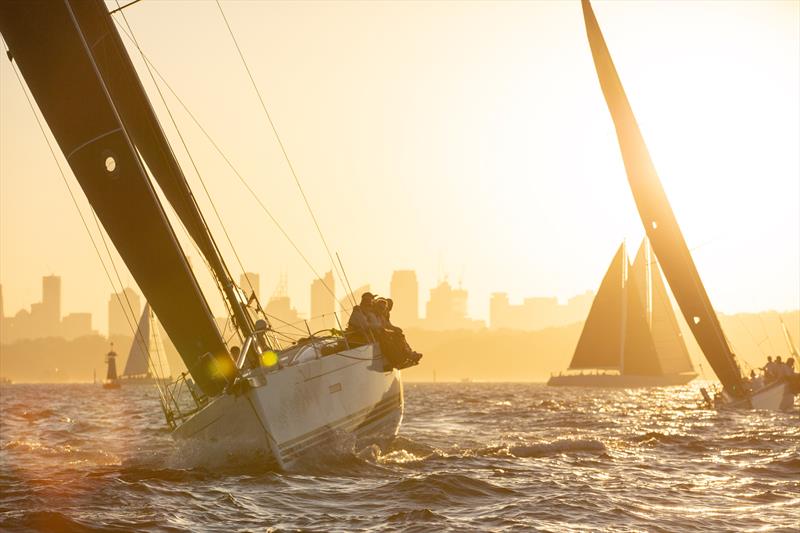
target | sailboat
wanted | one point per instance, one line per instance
(670, 246)
(112, 380)
(147, 361)
(631, 336)
(252, 393)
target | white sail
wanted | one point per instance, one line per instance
(147, 356)
(670, 347)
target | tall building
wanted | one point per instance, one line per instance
(282, 316)
(122, 319)
(250, 283)
(404, 291)
(447, 310)
(50, 310)
(323, 303)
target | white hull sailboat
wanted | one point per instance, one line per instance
(670, 246)
(282, 401)
(631, 337)
(322, 402)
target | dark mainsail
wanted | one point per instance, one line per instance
(659, 220)
(54, 56)
(136, 111)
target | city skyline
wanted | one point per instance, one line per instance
(518, 179)
(441, 307)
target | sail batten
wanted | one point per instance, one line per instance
(658, 219)
(56, 61)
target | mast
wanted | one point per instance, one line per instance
(659, 221)
(56, 60)
(131, 101)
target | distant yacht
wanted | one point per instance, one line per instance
(631, 337)
(147, 361)
(661, 227)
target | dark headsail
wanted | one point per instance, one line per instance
(601, 341)
(616, 335)
(54, 55)
(658, 219)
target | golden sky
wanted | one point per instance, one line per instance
(467, 140)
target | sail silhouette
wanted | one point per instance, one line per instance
(673, 356)
(275, 401)
(629, 330)
(601, 344)
(56, 46)
(658, 219)
(616, 335)
(147, 357)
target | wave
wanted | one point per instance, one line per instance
(444, 488)
(557, 447)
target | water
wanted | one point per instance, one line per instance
(471, 456)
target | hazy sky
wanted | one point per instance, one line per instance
(467, 140)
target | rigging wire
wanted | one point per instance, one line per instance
(194, 166)
(134, 330)
(280, 142)
(230, 164)
(766, 333)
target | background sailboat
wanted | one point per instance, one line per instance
(277, 401)
(668, 242)
(147, 360)
(631, 337)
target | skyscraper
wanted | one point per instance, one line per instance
(51, 305)
(323, 303)
(122, 319)
(447, 309)
(405, 296)
(250, 283)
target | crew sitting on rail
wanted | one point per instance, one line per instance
(393, 342)
(363, 323)
(370, 322)
(768, 368)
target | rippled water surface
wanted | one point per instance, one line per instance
(470, 456)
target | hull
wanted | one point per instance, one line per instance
(620, 381)
(776, 396)
(285, 414)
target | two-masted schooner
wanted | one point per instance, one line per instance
(631, 337)
(274, 400)
(670, 246)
